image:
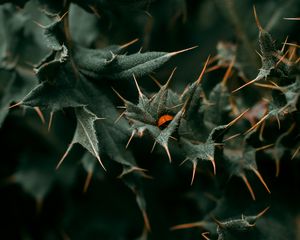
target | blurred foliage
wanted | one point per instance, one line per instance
(150, 119)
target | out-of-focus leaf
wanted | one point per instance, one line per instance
(14, 85)
(12, 25)
(219, 105)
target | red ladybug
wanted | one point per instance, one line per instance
(164, 121)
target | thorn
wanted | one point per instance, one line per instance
(156, 81)
(183, 161)
(293, 19)
(283, 109)
(264, 147)
(219, 223)
(113, 56)
(168, 152)
(204, 235)
(119, 95)
(148, 14)
(257, 124)
(15, 105)
(213, 68)
(243, 176)
(140, 50)
(187, 225)
(237, 118)
(246, 84)
(39, 24)
(98, 158)
(295, 153)
(94, 10)
(276, 85)
(99, 118)
(252, 225)
(261, 131)
(152, 149)
(233, 105)
(49, 14)
(261, 57)
(213, 59)
(40, 114)
(194, 172)
(50, 121)
(284, 44)
(62, 17)
(146, 221)
(183, 109)
(133, 169)
(257, 20)
(129, 43)
(129, 140)
(173, 138)
(277, 167)
(257, 173)
(231, 137)
(170, 77)
(171, 54)
(281, 58)
(64, 156)
(292, 54)
(268, 86)
(87, 181)
(213, 163)
(262, 212)
(278, 121)
(293, 44)
(175, 106)
(118, 118)
(203, 71)
(228, 72)
(137, 86)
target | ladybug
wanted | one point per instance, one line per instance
(164, 121)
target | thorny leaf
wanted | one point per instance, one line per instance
(108, 64)
(59, 92)
(239, 227)
(145, 115)
(76, 74)
(113, 134)
(54, 34)
(203, 151)
(272, 66)
(85, 133)
(242, 160)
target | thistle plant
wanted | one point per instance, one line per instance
(149, 119)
